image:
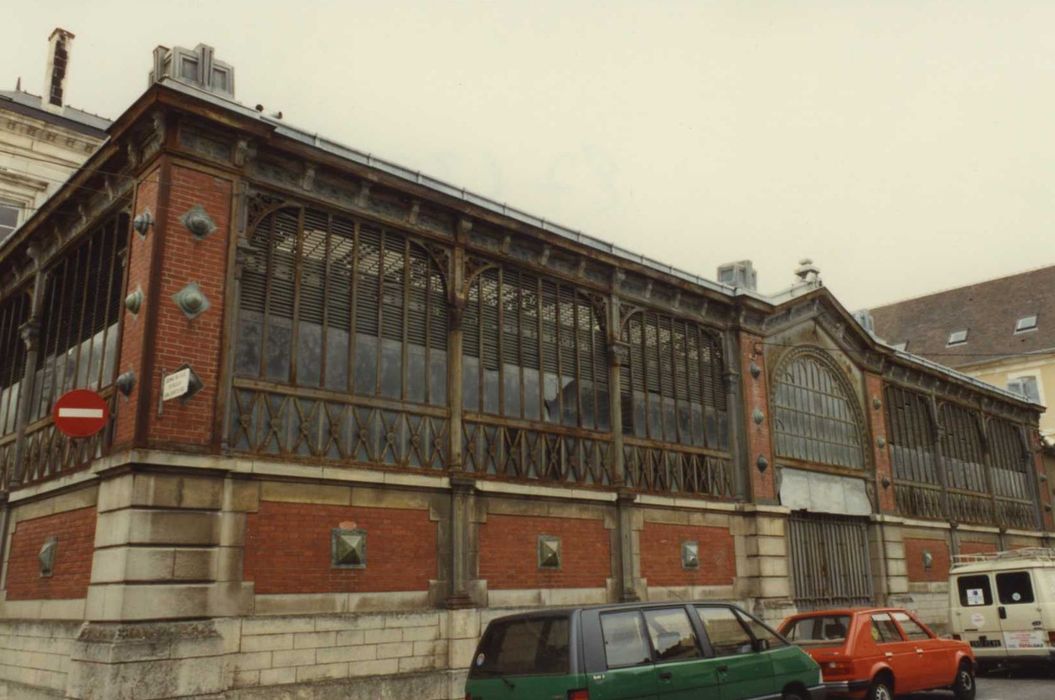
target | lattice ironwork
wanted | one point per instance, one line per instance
(533, 453)
(816, 416)
(677, 471)
(48, 453)
(277, 421)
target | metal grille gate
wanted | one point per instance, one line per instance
(829, 561)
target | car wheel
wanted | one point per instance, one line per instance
(964, 686)
(792, 695)
(880, 690)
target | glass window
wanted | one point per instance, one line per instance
(672, 635)
(913, 630)
(532, 646)
(957, 338)
(624, 640)
(759, 629)
(1026, 387)
(1026, 323)
(974, 591)
(884, 630)
(822, 630)
(8, 219)
(726, 632)
(1014, 588)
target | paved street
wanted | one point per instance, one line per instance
(1020, 686)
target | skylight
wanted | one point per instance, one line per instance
(957, 338)
(1026, 323)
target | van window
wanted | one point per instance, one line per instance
(1014, 588)
(530, 646)
(727, 634)
(672, 635)
(911, 628)
(884, 630)
(974, 591)
(760, 630)
(823, 630)
(624, 640)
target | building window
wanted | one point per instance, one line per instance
(1026, 323)
(8, 219)
(957, 338)
(1026, 387)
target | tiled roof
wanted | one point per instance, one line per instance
(79, 117)
(988, 311)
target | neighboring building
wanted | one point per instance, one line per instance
(413, 409)
(1001, 331)
(42, 139)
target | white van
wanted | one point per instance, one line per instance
(1003, 605)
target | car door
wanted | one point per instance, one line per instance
(939, 659)
(978, 617)
(904, 657)
(1018, 611)
(628, 672)
(742, 672)
(683, 671)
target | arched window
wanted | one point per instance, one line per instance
(672, 385)
(815, 413)
(534, 348)
(329, 301)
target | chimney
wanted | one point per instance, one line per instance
(739, 274)
(59, 44)
(197, 67)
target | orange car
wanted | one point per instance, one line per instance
(873, 653)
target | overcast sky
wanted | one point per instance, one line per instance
(906, 146)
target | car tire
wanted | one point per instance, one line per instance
(792, 695)
(880, 690)
(964, 688)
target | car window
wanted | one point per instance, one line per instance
(531, 646)
(1014, 588)
(672, 635)
(624, 640)
(820, 630)
(974, 591)
(884, 630)
(760, 630)
(727, 634)
(911, 628)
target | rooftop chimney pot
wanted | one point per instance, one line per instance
(59, 44)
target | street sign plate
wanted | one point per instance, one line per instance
(176, 384)
(80, 413)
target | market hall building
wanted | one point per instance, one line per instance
(410, 409)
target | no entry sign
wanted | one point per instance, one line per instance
(80, 413)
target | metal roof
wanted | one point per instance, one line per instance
(80, 119)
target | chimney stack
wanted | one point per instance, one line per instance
(59, 44)
(739, 274)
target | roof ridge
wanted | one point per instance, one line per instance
(962, 286)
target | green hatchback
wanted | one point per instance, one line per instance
(639, 651)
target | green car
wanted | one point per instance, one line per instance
(639, 651)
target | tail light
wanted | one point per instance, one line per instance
(579, 694)
(1051, 638)
(838, 668)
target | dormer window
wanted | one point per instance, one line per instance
(900, 346)
(957, 338)
(1026, 323)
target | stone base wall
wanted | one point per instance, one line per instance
(34, 658)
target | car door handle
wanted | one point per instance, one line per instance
(1003, 612)
(665, 675)
(722, 669)
(919, 651)
(889, 655)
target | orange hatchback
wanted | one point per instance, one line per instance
(873, 653)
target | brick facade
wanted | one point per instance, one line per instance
(756, 396)
(939, 568)
(75, 530)
(884, 471)
(978, 548)
(661, 555)
(509, 552)
(287, 549)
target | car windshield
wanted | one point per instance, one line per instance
(818, 630)
(528, 646)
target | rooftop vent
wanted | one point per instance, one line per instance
(59, 44)
(195, 67)
(739, 274)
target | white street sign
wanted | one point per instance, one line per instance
(176, 384)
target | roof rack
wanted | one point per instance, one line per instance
(1039, 553)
